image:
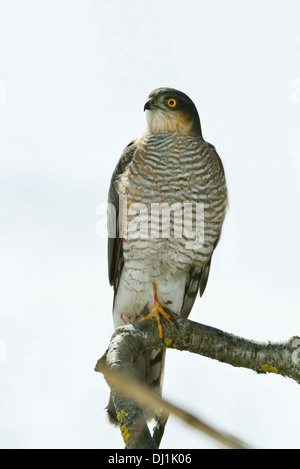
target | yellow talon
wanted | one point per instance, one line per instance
(155, 312)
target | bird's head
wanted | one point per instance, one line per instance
(170, 110)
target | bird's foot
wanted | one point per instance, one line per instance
(156, 311)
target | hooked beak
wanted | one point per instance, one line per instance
(149, 106)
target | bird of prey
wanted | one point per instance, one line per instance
(172, 175)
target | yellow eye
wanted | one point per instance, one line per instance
(171, 102)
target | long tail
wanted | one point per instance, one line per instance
(149, 369)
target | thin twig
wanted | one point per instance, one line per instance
(129, 342)
(131, 389)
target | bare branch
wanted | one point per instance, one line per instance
(127, 389)
(130, 341)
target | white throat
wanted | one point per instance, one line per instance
(163, 121)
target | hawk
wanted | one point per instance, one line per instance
(172, 175)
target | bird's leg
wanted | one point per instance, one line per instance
(155, 312)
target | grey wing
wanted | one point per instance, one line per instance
(198, 277)
(114, 248)
(197, 281)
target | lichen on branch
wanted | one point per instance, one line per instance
(129, 342)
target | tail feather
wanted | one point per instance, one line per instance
(149, 370)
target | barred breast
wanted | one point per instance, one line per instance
(176, 199)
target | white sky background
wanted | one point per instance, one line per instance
(74, 76)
